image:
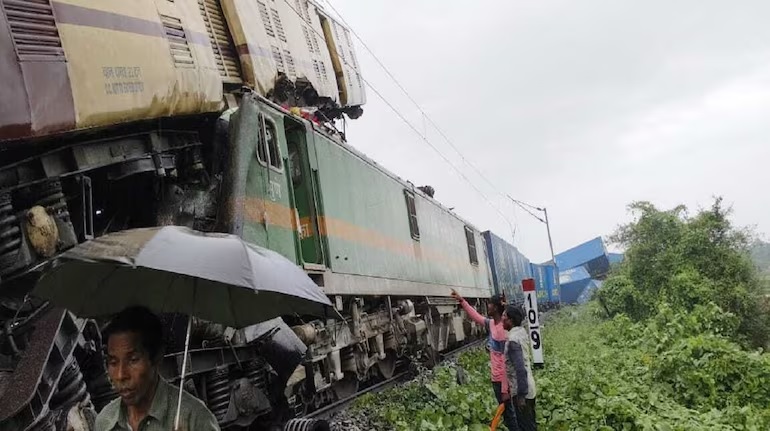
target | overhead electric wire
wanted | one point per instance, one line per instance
(407, 122)
(411, 99)
(414, 102)
(526, 204)
(527, 210)
(523, 206)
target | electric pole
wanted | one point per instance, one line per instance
(550, 242)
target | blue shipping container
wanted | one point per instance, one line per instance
(508, 267)
(573, 282)
(545, 283)
(599, 267)
(588, 292)
(592, 255)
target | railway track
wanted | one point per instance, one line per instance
(327, 412)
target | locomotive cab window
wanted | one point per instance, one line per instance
(268, 152)
(471, 240)
(261, 151)
(271, 138)
(411, 209)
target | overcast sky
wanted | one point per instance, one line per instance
(581, 106)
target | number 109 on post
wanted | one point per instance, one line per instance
(533, 320)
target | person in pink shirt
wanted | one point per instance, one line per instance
(496, 340)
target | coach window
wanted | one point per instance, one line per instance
(411, 209)
(471, 240)
(271, 140)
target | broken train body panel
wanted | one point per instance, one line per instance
(77, 64)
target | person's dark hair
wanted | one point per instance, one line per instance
(516, 314)
(139, 320)
(497, 301)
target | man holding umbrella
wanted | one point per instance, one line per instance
(147, 402)
(171, 269)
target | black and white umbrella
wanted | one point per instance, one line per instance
(171, 269)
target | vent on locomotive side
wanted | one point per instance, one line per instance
(221, 41)
(34, 31)
(177, 40)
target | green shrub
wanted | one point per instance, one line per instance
(685, 262)
(673, 342)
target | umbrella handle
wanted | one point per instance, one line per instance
(496, 418)
(184, 370)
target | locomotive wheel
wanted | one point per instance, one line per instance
(346, 387)
(307, 425)
(387, 366)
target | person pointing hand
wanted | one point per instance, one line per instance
(496, 343)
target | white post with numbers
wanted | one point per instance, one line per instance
(533, 319)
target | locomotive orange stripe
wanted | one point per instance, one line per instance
(258, 210)
(349, 232)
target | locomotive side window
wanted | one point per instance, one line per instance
(261, 152)
(273, 153)
(411, 208)
(471, 239)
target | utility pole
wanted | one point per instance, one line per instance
(553, 256)
(550, 242)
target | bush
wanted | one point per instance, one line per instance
(671, 372)
(709, 372)
(671, 343)
(686, 262)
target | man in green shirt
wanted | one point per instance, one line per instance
(147, 402)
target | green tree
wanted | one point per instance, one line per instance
(686, 261)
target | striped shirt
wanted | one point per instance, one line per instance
(496, 343)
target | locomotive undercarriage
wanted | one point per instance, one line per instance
(52, 374)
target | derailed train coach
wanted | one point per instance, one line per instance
(73, 65)
(213, 115)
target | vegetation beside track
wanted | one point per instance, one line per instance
(673, 341)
